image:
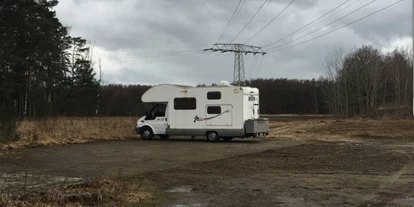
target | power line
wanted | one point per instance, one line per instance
(251, 68)
(307, 24)
(250, 20)
(321, 20)
(260, 65)
(270, 21)
(238, 12)
(307, 34)
(228, 23)
(341, 26)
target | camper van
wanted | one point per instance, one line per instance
(223, 111)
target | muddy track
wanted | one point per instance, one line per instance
(240, 173)
(52, 165)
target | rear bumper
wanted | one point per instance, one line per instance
(257, 127)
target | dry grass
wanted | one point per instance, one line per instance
(93, 193)
(64, 130)
(343, 130)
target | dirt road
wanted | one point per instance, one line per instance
(185, 172)
(130, 157)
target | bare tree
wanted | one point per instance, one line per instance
(333, 66)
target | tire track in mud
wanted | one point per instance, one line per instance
(383, 194)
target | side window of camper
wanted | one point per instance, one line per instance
(213, 109)
(214, 95)
(185, 103)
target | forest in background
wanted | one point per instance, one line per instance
(354, 83)
(43, 70)
(46, 72)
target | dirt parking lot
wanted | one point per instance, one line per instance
(302, 163)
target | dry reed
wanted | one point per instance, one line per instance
(68, 130)
(93, 193)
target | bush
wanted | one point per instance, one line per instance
(8, 126)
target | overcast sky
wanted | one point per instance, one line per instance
(161, 41)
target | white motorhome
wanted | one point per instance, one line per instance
(222, 111)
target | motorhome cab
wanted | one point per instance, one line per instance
(222, 111)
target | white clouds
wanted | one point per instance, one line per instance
(124, 28)
(402, 43)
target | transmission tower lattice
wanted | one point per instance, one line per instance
(239, 50)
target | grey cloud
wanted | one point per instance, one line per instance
(124, 27)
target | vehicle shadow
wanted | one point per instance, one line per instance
(202, 139)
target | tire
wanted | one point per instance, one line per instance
(164, 136)
(212, 136)
(227, 139)
(147, 133)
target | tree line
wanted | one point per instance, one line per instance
(366, 78)
(277, 96)
(43, 70)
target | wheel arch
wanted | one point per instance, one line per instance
(207, 131)
(149, 126)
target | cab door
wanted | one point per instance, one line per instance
(157, 118)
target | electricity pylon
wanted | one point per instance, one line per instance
(239, 50)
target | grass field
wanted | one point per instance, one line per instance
(60, 131)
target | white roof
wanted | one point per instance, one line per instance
(165, 92)
(162, 92)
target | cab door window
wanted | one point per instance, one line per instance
(157, 111)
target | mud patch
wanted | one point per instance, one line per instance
(318, 158)
(187, 205)
(181, 189)
(370, 136)
(26, 181)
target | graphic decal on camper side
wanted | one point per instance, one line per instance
(196, 118)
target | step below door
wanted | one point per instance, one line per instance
(219, 115)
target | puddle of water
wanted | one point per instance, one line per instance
(181, 189)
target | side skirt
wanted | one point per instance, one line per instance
(202, 132)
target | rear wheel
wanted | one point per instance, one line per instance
(147, 133)
(212, 136)
(227, 139)
(164, 136)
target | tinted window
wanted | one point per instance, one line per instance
(161, 110)
(214, 95)
(185, 104)
(157, 111)
(213, 109)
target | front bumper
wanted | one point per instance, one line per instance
(137, 129)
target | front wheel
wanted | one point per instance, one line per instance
(212, 136)
(147, 133)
